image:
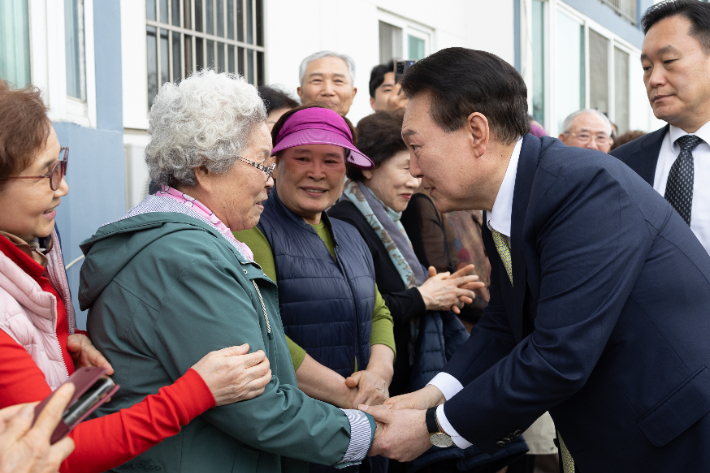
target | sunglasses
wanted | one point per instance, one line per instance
(56, 174)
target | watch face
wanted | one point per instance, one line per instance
(441, 440)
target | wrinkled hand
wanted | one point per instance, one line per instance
(24, 448)
(371, 388)
(233, 375)
(401, 435)
(428, 396)
(445, 291)
(85, 354)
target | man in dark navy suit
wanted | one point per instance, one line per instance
(600, 293)
(675, 160)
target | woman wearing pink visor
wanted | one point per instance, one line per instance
(339, 329)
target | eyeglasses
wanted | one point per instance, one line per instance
(267, 170)
(56, 174)
(585, 138)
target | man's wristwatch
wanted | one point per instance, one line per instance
(437, 436)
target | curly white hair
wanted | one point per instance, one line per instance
(205, 120)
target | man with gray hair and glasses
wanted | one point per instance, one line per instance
(328, 78)
(587, 128)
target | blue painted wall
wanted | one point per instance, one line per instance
(96, 174)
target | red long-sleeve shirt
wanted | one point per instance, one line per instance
(106, 442)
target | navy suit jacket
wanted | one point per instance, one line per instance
(641, 155)
(607, 325)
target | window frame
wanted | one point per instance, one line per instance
(409, 28)
(550, 8)
(48, 62)
(248, 48)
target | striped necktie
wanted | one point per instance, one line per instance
(503, 247)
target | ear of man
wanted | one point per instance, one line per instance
(479, 133)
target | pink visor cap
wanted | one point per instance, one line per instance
(320, 126)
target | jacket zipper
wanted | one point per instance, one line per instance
(263, 308)
(56, 317)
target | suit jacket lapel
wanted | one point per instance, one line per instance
(527, 166)
(644, 158)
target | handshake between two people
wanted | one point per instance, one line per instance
(402, 432)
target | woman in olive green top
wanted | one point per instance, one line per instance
(325, 323)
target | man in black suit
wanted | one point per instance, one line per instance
(675, 160)
(599, 295)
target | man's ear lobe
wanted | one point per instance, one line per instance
(367, 173)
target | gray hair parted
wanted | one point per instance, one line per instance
(320, 55)
(205, 120)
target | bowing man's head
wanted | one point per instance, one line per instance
(466, 112)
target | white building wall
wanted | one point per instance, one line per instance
(295, 30)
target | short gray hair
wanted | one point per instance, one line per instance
(205, 120)
(320, 55)
(567, 124)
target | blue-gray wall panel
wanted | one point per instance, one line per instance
(107, 44)
(96, 176)
(96, 179)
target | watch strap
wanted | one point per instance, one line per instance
(431, 424)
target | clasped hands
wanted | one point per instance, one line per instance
(402, 433)
(445, 291)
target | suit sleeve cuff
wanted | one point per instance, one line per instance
(447, 384)
(362, 432)
(459, 441)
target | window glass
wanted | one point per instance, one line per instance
(621, 90)
(163, 11)
(569, 67)
(203, 33)
(538, 50)
(417, 48)
(15, 42)
(177, 63)
(220, 18)
(250, 23)
(390, 42)
(598, 72)
(152, 64)
(74, 47)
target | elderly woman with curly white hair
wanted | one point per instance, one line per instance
(169, 282)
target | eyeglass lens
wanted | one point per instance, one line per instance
(59, 170)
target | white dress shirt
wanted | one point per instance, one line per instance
(499, 218)
(700, 212)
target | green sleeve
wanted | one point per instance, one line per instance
(298, 354)
(259, 245)
(382, 324)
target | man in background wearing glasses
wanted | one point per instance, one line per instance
(587, 128)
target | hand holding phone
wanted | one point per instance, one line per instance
(92, 388)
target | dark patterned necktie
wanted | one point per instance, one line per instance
(679, 189)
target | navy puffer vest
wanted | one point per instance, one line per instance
(326, 306)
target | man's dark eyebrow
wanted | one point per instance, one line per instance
(665, 49)
(408, 133)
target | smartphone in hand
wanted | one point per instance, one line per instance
(92, 389)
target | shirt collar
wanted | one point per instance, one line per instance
(703, 133)
(500, 216)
